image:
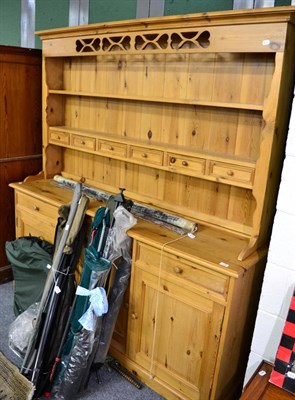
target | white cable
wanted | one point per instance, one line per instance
(191, 236)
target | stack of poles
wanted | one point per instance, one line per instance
(61, 351)
(172, 222)
(81, 344)
(57, 296)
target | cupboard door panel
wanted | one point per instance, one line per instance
(174, 334)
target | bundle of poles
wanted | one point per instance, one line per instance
(75, 322)
(172, 222)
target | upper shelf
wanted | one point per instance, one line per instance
(218, 104)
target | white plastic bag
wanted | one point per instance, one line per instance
(20, 330)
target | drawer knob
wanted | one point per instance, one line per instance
(230, 172)
(144, 155)
(58, 137)
(111, 148)
(134, 315)
(172, 160)
(36, 208)
(178, 270)
(185, 163)
(82, 142)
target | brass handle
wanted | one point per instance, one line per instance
(230, 172)
(172, 160)
(36, 208)
(144, 155)
(185, 163)
(178, 270)
(134, 316)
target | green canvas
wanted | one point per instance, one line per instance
(29, 257)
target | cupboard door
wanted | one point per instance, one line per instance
(119, 337)
(174, 334)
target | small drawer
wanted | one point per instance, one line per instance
(83, 142)
(232, 173)
(36, 206)
(112, 148)
(37, 226)
(146, 156)
(59, 137)
(187, 165)
(188, 274)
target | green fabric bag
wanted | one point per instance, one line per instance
(29, 257)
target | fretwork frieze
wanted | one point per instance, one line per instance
(149, 42)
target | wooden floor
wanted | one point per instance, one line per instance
(259, 387)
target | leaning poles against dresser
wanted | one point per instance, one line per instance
(94, 273)
(59, 285)
(118, 250)
(109, 246)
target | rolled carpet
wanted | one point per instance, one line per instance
(13, 385)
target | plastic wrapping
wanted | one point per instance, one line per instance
(67, 387)
(115, 298)
(75, 360)
(21, 329)
(118, 243)
(98, 306)
(75, 365)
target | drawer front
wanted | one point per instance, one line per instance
(146, 156)
(232, 173)
(112, 148)
(37, 226)
(186, 165)
(185, 272)
(83, 142)
(36, 206)
(59, 137)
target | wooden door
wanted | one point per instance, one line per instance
(174, 334)
(20, 132)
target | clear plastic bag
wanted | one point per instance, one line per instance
(21, 329)
(118, 243)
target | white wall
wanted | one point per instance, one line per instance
(279, 278)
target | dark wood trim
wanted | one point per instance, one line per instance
(20, 158)
(6, 274)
